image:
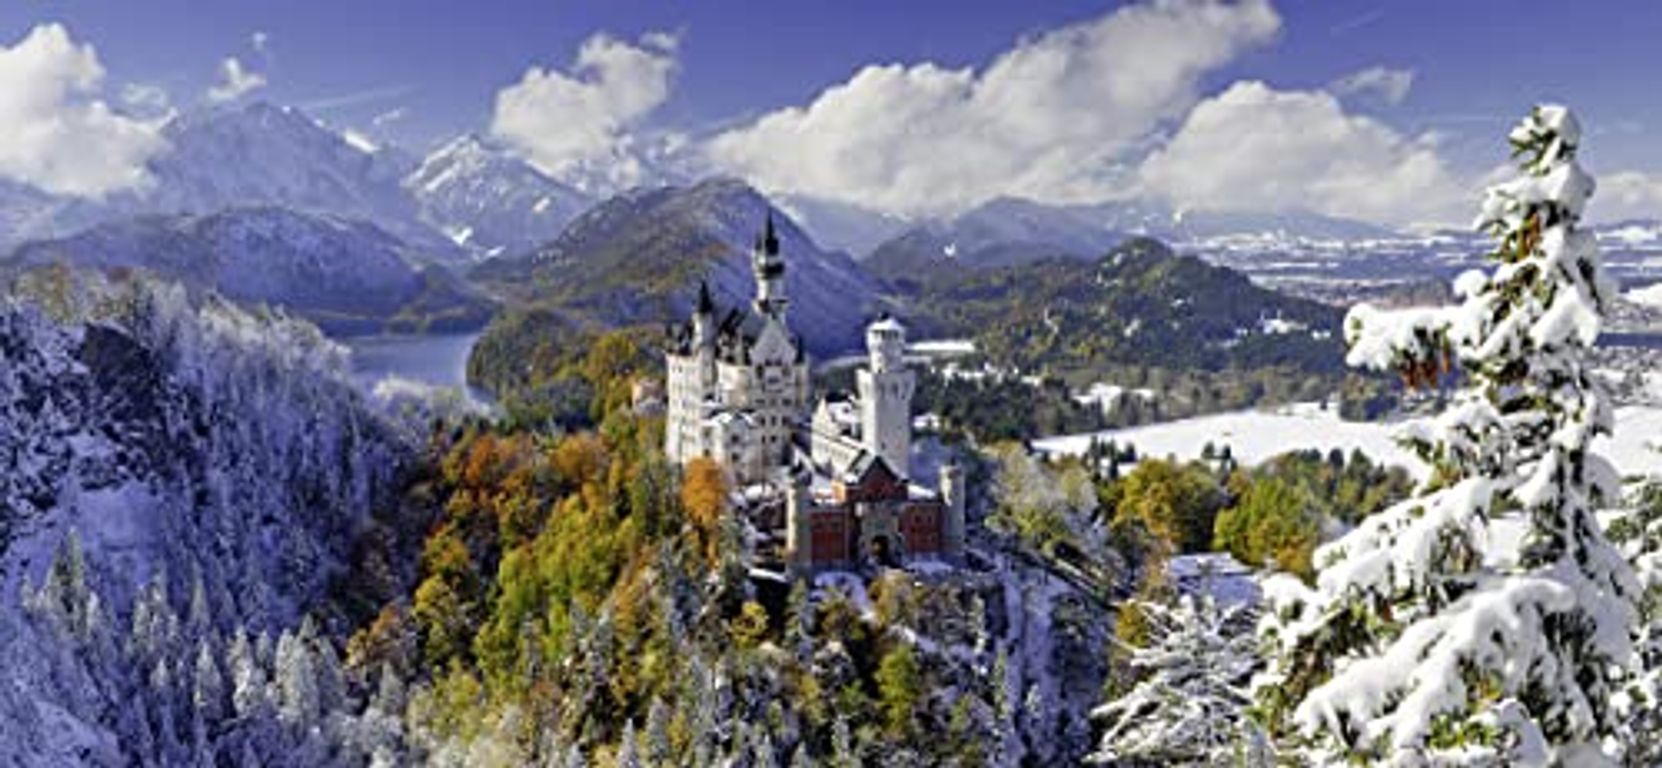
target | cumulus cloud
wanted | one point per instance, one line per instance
(1626, 195)
(1256, 148)
(235, 81)
(1388, 85)
(1052, 118)
(259, 40)
(579, 122)
(59, 136)
(146, 99)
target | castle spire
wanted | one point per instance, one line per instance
(706, 306)
(768, 242)
(769, 269)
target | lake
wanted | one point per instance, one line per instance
(438, 360)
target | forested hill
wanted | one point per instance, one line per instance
(1140, 304)
(638, 258)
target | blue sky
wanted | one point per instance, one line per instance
(1447, 78)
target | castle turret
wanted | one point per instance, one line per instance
(952, 502)
(799, 529)
(886, 386)
(769, 268)
(704, 318)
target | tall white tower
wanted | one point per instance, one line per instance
(886, 386)
(769, 268)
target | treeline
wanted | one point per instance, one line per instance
(994, 409)
(547, 371)
(1270, 515)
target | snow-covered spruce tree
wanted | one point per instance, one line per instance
(1189, 704)
(1639, 533)
(1423, 642)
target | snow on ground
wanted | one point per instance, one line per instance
(1256, 435)
(942, 347)
(1649, 296)
(1252, 436)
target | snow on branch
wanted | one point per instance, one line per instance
(1426, 639)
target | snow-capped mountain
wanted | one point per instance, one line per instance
(490, 201)
(266, 155)
(639, 256)
(347, 275)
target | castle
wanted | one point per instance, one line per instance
(738, 394)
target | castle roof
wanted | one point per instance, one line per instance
(867, 463)
(886, 322)
(706, 305)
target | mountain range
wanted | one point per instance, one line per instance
(347, 275)
(268, 205)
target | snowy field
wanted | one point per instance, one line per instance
(1256, 435)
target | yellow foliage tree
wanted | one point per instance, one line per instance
(704, 497)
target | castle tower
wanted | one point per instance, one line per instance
(704, 337)
(692, 379)
(952, 501)
(704, 318)
(769, 268)
(799, 529)
(886, 386)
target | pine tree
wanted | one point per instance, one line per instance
(843, 754)
(248, 681)
(299, 700)
(1421, 641)
(208, 685)
(658, 750)
(1188, 706)
(1639, 533)
(629, 752)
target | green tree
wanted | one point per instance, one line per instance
(1176, 502)
(1275, 522)
(899, 688)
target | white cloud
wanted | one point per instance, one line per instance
(1388, 85)
(59, 136)
(1053, 118)
(578, 122)
(1626, 195)
(1256, 148)
(235, 81)
(259, 40)
(146, 99)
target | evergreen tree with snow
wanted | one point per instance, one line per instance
(1422, 642)
(629, 753)
(1638, 532)
(657, 748)
(1189, 704)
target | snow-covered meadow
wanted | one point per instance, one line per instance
(1259, 434)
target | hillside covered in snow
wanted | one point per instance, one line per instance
(184, 481)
